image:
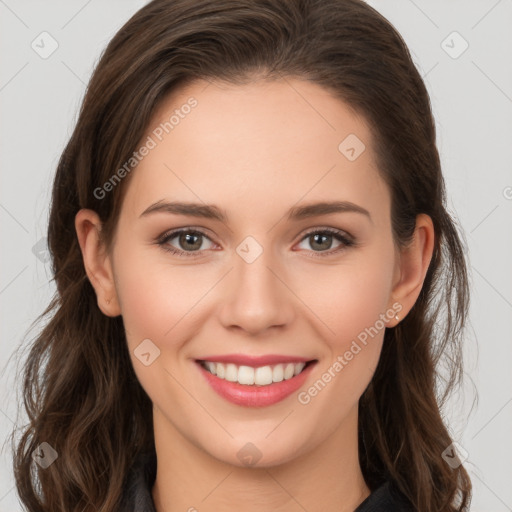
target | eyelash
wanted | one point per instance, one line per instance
(347, 241)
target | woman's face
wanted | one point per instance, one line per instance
(262, 271)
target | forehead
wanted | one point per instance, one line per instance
(271, 141)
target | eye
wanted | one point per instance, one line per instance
(190, 242)
(321, 240)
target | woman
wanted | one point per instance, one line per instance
(257, 277)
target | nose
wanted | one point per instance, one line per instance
(257, 296)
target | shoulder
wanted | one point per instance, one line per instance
(386, 498)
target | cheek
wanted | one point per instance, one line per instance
(165, 304)
(354, 308)
(154, 297)
(157, 305)
(350, 298)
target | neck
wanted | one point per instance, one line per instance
(326, 478)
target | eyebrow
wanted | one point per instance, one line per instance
(214, 212)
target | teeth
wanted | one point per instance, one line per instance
(261, 376)
(231, 373)
(211, 367)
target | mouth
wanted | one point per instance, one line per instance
(255, 376)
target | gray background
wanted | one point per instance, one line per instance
(471, 94)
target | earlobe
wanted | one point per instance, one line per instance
(97, 262)
(413, 264)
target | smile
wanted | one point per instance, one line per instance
(255, 386)
(259, 376)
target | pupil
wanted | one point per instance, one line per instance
(186, 239)
(319, 240)
(321, 236)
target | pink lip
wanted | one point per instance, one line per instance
(255, 396)
(254, 361)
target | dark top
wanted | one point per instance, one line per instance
(137, 491)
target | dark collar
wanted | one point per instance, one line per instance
(137, 495)
(386, 498)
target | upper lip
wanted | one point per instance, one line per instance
(254, 361)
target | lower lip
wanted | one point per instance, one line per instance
(256, 396)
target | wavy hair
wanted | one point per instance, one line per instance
(80, 391)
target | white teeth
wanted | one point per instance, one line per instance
(211, 367)
(231, 373)
(261, 376)
(246, 375)
(221, 371)
(288, 371)
(278, 373)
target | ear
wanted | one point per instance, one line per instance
(412, 265)
(97, 262)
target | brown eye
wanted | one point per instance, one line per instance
(322, 240)
(188, 242)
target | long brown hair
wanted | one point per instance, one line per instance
(80, 391)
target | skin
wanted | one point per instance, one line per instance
(255, 151)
